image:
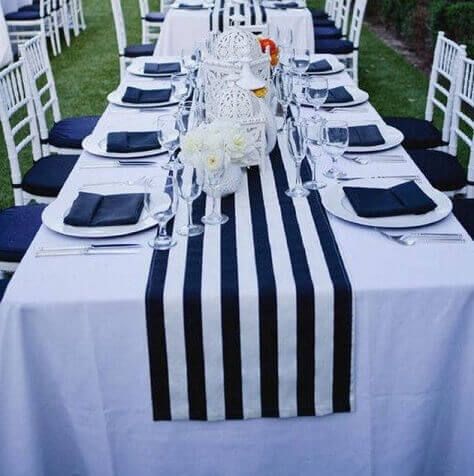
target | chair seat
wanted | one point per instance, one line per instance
(323, 22)
(318, 13)
(442, 170)
(70, 132)
(157, 17)
(419, 134)
(463, 209)
(335, 47)
(47, 176)
(32, 8)
(18, 227)
(3, 287)
(24, 15)
(134, 51)
(327, 33)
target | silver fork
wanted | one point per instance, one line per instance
(411, 238)
(139, 181)
(381, 158)
(332, 110)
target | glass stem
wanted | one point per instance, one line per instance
(298, 175)
(313, 171)
(162, 231)
(285, 114)
(214, 204)
(334, 159)
(190, 214)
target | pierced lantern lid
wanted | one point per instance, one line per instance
(235, 44)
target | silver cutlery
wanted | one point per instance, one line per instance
(381, 158)
(122, 163)
(119, 248)
(139, 181)
(411, 238)
(332, 110)
(416, 178)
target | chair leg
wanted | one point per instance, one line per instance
(82, 20)
(355, 67)
(74, 13)
(55, 31)
(66, 25)
(144, 32)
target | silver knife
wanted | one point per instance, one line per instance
(119, 248)
(401, 177)
(122, 163)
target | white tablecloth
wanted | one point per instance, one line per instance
(183, 28)
(74, 380)
(13, 5)
(6, 55)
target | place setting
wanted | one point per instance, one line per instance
(324, 65)
(150, 67)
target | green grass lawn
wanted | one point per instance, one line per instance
(87, 71)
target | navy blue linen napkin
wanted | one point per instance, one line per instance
(124, 142)
(319, 66)
(92, 209)
(404, 199)
(284, 6)
(187, 6)
(162, 68)
(365, 136)
(339, 95)
(146, 96)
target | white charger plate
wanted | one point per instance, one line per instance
(115, 97)
(137, 65)
(336, 202)
(393, 138)
(99, 147)
(337, 66)
(54, 214)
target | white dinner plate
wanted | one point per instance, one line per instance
(393, 138)
(337, 66)
(98, 146)
(54, 214)
(335, 202)
(138, 64)
(115, 97)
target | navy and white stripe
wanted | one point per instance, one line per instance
(254, 318)
(222, 13)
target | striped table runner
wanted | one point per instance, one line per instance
(254, 318)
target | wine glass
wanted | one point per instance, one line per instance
(335, 135)
(299, 62)
(184, 119)
(168, 136)
(189, 187)
(313, 151)
(297, 147)
(316, 93)
(283, 86)
(214, 170)
(189, 62)
(180, 87)
(285, 37)
(161, 203)
(298, 95)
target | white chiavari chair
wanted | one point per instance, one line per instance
(421, 133)
(151, 22)
(244, 15)
(127, 52)
(67, 134)
(45, 178)
(341, 22)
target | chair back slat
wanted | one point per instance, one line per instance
(144, 8)
(17, 114)
(358, 13)
(330, 8)
(443, 81)
(34, 53)
(119, 23)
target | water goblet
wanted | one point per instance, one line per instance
(180, 87)
(189, 62)
(168, 136)
(189, 187)
(299, 62)
(184, 120)
(283, 87)
(335, 140)
(161, 203)
(316, 93)
(297, 147)
(313, 151)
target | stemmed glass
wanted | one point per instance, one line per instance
(283, 86)
(335, 142)
(298, 95)
(299, 62)
(180, 87)
(168, 136)
(316, 93)
(189, 62)
(184, 119)
(161, 203)
(297, 146)
(189, 187)
(313, 150)
(214, 170)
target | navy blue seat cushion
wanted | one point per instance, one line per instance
(32, 8)
(3, 287)
(318, 13)
(18, 227)
(419, 134)
(23, 15)
(47, 176)
(70, 132)
(134, 51)
(327, 33)
(336, 47)
(442, 170)
(463, 209)
(323, 22)
(155, 16)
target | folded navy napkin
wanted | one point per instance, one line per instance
(146, 96)
(319, 66)
(187, 6)
(92, 209)
(404, 199)
(284, 6)
(123, 142)
(339, 95)
(162, 68)
(365, 136)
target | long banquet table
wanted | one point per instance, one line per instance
(75, 387)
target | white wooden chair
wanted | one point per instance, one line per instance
(246, 15)
(151, 22)
(347, 50)
(43, 181)
(66, 135)
(342, 10)
(421, 133)
(127, 52)
(6, 52)
(26, 23)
